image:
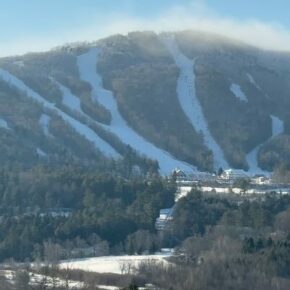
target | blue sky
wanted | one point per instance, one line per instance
(27, 25)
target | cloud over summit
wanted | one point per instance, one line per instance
(195, 15)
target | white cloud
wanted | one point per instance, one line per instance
(195, 15)
(264, 35)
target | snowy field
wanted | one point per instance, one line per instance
(51, 283)
(43, 122)
(87, 69)
(189, 102)
(111, 264)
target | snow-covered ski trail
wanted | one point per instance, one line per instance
(252, 157)
(69, 99)
(82, 129)
(87, 64)
(189, 102)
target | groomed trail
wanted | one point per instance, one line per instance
(87, 64)
(189, 102)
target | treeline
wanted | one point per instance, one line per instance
(220, 243)
(275, 153)
(107, 213)
(227, 245)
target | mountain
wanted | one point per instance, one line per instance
(190, 100)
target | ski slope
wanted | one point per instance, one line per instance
(239, 94)
(87, 69)
(252, 157)
(4, 124)
(189, 102)
(69, 99)
(82, 129)
(252, 160)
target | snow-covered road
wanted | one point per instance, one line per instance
(189, 102)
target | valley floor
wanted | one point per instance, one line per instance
(112, 264)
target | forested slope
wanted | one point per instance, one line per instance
(240, 90)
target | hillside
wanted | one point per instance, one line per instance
(187, 100)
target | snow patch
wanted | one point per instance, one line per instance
(40, 153)
(237, 91)
(189, 102)
(4, 124)
(82, 129)
(88, 72)
(277, 126)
